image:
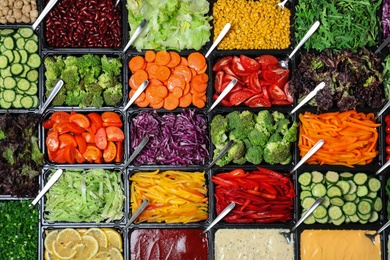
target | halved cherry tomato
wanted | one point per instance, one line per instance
(67, 140)
(89, 137)
(78, 156)
(258, 101)
(278, 77)
(240, 96)
(101, 138)
(59, 116)
(52, 142)
(109, 153)
(95, 119)
(237, 67)
(249, 64)
(47, 124)
(387, 119)
(69, 152)
(276, 93)
(387, 139)
(80, 119)
(81, 143)
(119, 152)
(254, 82)
(60, 156)
(92, 153)
(75, 128)
(267, 60)
(114, 134)
(61, 127)
(111, 119)
(222, 63)
(218, 81)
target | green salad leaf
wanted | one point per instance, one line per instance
(172, 24)
(93, 195)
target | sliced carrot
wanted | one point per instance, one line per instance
(155, 82)
(175, 59)
(193, 72)
(198, 102)
(132, 83)
(136, 63)
(158, 105)
(183, 71)
(150, 56)
(151, 69)
(198, 86)
(151, 96)
(196, 60)
(196, 93)
(162, 57)
(203, 77)
(177, 92)
(185, 100)
(163, 73)
(139, 77)
(144, 103)
(183, 61)
(176, 81)
(203, 70)
(140, 98)
(158, 90)
(171, 102)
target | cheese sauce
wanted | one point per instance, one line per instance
(252, 244)
(339, 244)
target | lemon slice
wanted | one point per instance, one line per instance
(49, 256)
(62, 252)
(100, 236)
(114, 238)
(89, 249)
(116, 254)
(102, 255)
(82, 231)
(51, 236)
(68, 235)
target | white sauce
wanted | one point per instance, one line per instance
(252, 244)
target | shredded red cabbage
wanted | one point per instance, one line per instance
(386, 18)
(174, 139)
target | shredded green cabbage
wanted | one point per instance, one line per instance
(93, 195)
(172, 24)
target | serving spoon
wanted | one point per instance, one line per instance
(228, 88)
(47, 186)
(381, 169)
(137, 150)
(136, 34)
(52, 95)
(138, 92)
(384, 44)
(313, 28)
(385, 107)
(372, 236)
(281, 4)
(287, 235)
(224, 212)
(308, 97)
(221, 153)
(222, 34)
(137, 213)
(45, 11)
(312, 151)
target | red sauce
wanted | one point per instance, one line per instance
(168, 244)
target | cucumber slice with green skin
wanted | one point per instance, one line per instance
(350, 197)
(35, 101)
(9, 43)
(33, 90)
(337, 201)
(23, 56)
(310, 219)
(335, 212)
(360, 178)
(3, 61)
(31, 46)
(304, 194)
(374, 184)
(332, 177)
(9, 95)
(26, 32)
(27, 102)
(352, 188)
(16, 56)
(317, 177)
(23, 84)
(305, 179)
(32, 75)
(307, 202)
(4, 104)
(349, 208)
(16, 69)
(9, 83)
(320, 212)
(344, 186)
(306, 188)
(372, 195)
(354, 218)
(34, 61)
(362, 190)
(318, 190)
(364, 217)
(16, 103)
(346, 176)
(364, 207)
(323, 220)
(374, 217)
(20, 43)
(377, 204)
(326, 202)
(338, 221)
(7, 32)
(334, 191)
(10, 55)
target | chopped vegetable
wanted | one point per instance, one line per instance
(174, 81)
(174, 25)
(342, 23)
(90, 80)
(21, 159)
(174, 139)
(174, 196)
(350, 137)
(261, 196)
(348, 198)
(351, 79)
(93, 195)
(386, 18)
(19, 230)
(257, 137)
(255, 24)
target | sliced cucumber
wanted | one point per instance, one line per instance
(377, 204)
(16, 69)
(349, 208)
(364, 207)
(3, 61)
(9, 95)
(9, 43)
(360, 178)
(346, 176)
(304, 194)
(307, 202)
(334, 191)
(27, 102)
(344, 186)
(362, 190)
(320, 212)
(337, 201)
(318, 190)
(26, 32)
(374, 184)
(317, 177)
(31, 46)
(332, 177)
(32, 75)
(305, 178)
(335, 212)
(9, 83)
(34, 61)
(23, 84)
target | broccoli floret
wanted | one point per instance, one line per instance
(94, 88)
(257, 138)
(237, 150)
(277, 152)
(254, 154)
(265, 122)
(242, 160)
(105, 80)
(70, 76)
(71, 61)
(219, 128)
(74, 98)
(292, 133)
(9, 154)
(59, 99)
(276, 137)
(243, 128)
(89, 63)
(282, 126)
(234, 119)
(53, 66)
(224, 160)
(92, 100)
(277, 116)
(89, 78)
(112, 65)
(247, 143)
(113, 96)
